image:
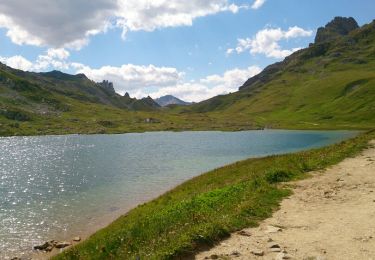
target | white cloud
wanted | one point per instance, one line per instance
(146, 15)
(267, 41)
(54, 58)
(55, 23)
(70, 23)
(131, 77)
(17, 62)
(207, 87)
(257, 4)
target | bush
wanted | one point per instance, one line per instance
(279, 175)
(15, 115)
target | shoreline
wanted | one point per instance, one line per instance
(112, 217)
(223, 130)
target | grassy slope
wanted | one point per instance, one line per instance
(209, 207)
(315, 90)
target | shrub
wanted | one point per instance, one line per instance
(279, 175)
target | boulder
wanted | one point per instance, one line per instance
(42, 247)
(62, 244)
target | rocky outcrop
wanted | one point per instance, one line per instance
(108, 86)
(338, 27)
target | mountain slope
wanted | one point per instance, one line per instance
(170, 100)
(78, 87)
(330, 84)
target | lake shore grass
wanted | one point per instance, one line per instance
(209, 207)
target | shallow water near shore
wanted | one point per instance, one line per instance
(57, 187)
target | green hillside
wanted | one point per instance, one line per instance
(329, 85)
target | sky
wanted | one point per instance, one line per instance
(193, 49)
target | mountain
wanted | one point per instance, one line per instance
(170, 100)
(26, 86)
(330, 84)
(338, 27)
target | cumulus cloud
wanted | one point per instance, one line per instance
(267, 41)
(53, 58)
(70, 23)
(207, 87)
(150, 15)
(132, 77)
(141, 81)
(17, 62)
(55, 23)
(257, 4)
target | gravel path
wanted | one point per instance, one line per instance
(329, 216)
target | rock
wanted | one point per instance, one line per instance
(244, 233)
(282, 256)
(77, 239)
(275, 250)
(108, 86)
(273, 245)
(42, 247)
(235, 253)
(213, 257)
(257, 252)
(62, 244)
(338, 27)
(273, 229)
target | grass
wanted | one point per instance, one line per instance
(209, 207)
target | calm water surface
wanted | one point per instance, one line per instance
(56, 187)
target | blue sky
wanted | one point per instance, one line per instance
(192, 49)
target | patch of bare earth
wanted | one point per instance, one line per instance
(329, 216)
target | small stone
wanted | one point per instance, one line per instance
(244, 233)
(214, 257)
(273, 245)
(77, 239)
(275, 250)
(257, 252)
(235, 253)
(270, 240)
(273, 229)
(62, 244)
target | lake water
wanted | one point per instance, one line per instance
(57, 187)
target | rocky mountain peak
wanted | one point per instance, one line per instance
(339, 26)
(107, 86)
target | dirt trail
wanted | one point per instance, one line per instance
(329, 216)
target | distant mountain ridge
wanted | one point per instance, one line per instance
(171, 100)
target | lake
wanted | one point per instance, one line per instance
(58, 187)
